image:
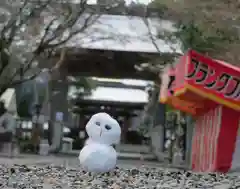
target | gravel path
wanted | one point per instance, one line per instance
(51, 173)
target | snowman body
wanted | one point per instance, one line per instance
(98, 155)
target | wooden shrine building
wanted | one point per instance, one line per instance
(115, 45)
(123, 43)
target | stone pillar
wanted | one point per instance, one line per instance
(158, 131)
(160, 114)
(189, 133)
(58, 108)
(159, 121)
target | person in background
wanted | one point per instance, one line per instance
(7, 128)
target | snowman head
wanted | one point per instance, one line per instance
(103, 128)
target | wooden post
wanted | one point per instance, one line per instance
(189, 134)
(58, 99)
(125, 128)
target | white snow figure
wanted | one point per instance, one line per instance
(98, 155)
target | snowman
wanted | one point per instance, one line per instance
(98, 154)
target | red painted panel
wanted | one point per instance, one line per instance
(166, 96)
(213, 148)
(213, 77)
(227, 138)
(181, 69)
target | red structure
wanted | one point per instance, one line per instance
(210, 91)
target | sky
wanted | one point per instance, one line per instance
(127, 1)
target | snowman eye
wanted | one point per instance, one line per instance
(98, 123)
(108, 127)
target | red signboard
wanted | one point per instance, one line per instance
(166, 94)
(210, 79)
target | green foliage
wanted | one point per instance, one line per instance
(194, 36)
(209, 27)
(26, 98)
(84, 86)
(169, 108)
(24, 104)
(159, 6)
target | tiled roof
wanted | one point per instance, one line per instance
(124, 33)
(111, 94)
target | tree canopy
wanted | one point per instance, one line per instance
(211, 27)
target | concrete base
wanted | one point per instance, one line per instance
(130, 148)
(137, 156)
(57, 137)
(6, 149)
(121, 155)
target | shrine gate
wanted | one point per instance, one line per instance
(209, 90)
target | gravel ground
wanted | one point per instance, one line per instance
(65, 173)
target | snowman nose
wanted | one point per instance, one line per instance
(100, 132)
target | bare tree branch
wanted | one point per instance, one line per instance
(62, 26)
(155, 66)
(59, 22)
(53, 69)
(150, 34)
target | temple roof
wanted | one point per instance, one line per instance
(118, 90)
(125, 33)
(118, 95)
(112, 94)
